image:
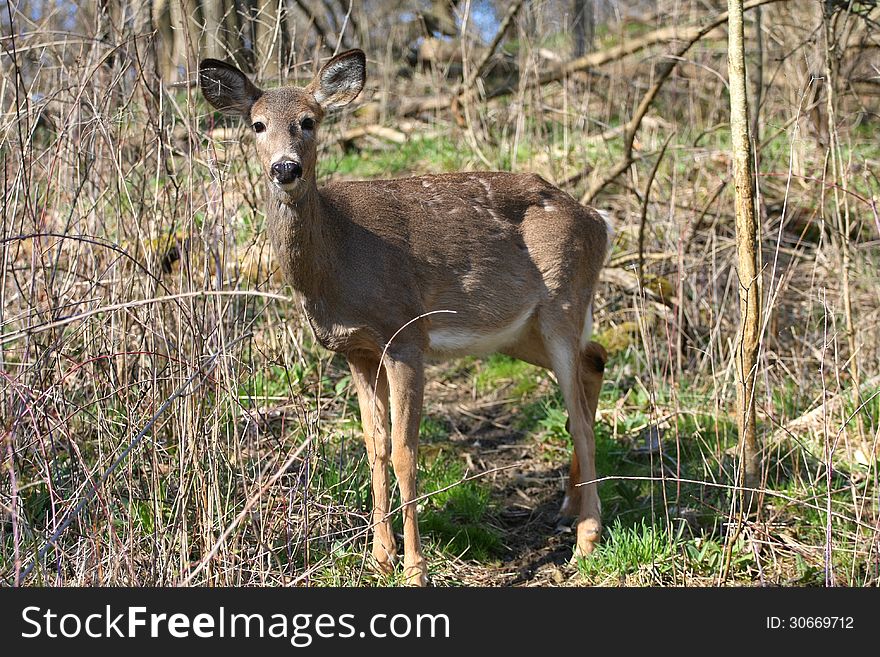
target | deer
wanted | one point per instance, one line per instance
(397, 273)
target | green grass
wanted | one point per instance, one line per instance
(432, 429)
(415, 156)
(273, 382)
(457, 520)
(454, 518)
(655, 553)
(628, 549)
(515, 377)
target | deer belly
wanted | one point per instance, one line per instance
(477, 340)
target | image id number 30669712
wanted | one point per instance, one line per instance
(810, 623)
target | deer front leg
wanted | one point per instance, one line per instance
(373, 402)
(406, 381)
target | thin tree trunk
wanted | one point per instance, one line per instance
(313, 23)
(214, 32)
(583, 26)
(165, 45)
(185, 22)
(747, 242)
(268, 37)
(232, 16)
(145, 46)
(842, 216)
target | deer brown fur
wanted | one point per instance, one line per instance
(393, 273)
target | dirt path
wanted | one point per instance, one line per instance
(526, 488)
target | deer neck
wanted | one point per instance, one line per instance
(302, 240)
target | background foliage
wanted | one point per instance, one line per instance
(167, 418)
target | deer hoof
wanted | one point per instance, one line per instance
(588, 534)
(416, 574)
(384, 560)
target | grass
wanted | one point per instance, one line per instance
(515, 377)
(455, 516)
(79, 387)
(419, 155)
(628, 550)
(457, 520)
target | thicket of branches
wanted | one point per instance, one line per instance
(165, 416)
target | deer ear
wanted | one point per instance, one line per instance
(226, 88)
(340, 80)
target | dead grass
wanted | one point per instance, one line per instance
(141, 311)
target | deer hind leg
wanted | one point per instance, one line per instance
(566, 364)
(406, 381)
(593, 358)
(373, 402)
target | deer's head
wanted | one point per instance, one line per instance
(285, 120)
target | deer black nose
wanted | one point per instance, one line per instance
(286, 171)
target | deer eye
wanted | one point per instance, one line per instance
(307, 123)
(259, 126)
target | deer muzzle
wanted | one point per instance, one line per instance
(285, 172)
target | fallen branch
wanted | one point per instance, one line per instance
(692, 34)
(375, 130)
(628, 281)
(815, 416)
(632, 126)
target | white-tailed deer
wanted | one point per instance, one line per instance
(515, 258)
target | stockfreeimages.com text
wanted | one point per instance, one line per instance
(300, 629)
